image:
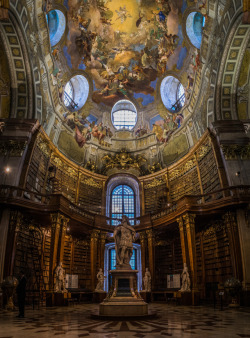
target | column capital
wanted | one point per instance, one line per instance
(189, 220)
(94, 235)
(142, 237)
(56, 217)
(180, 222)
(150, 234)
(103, 236)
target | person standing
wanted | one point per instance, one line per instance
(21, 293)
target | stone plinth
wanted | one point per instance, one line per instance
(124, 299)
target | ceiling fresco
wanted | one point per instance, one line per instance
(125, 46)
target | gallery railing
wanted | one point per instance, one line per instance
(52, 202)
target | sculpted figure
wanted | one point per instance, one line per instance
(124, 236)
(100, 277)
(60, 279)
(185, 286)
(147, 281)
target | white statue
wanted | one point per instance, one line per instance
(124, 236)
(185, 284)
(60, 279)
(100, 277)
(147, 281)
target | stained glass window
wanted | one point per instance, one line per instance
(122, 203)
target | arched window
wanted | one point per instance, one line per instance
(122, 203)
(124, 115)
(110, 263)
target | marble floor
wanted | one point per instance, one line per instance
(172, 321)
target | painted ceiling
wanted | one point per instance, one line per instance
(125, 46)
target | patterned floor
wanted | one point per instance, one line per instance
(172, 321)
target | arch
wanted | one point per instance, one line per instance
(172, 93)
(123, 180)
(124, 115)
(111, 246)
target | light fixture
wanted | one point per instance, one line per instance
(237, 173)
(7, 170)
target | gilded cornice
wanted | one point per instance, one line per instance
(91, 182)
(155, 183)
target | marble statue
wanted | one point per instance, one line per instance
(60, 279)
(185, 285)
(124, 236)
(100, 277)
(147, 281)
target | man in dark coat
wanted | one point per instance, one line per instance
(21, 293)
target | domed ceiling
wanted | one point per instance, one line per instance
(142, 51)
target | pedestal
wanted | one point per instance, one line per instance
(123, 299)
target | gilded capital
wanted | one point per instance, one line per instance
(189, 220)
(95, 235)
(150, 235)
(142, 237)
(56, 218)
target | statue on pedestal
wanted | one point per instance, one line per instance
(147, 281)
(60, 279)
(100, 277)
(124, 236)
(185, 285)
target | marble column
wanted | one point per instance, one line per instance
(143, 251)
(183, 241)
(56, 220)
(190, 233)
(151, 250)
(64, 225)
(234, 243)
(93, 256)
(101, 248)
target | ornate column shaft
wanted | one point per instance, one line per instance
(101, 247)
(64, 225)
(142, 199)
(234, 243)
(151, 238)
(190, 231)
(72, 254)
(93, 256)
(183, 241)
(143, 251)
(56, 220)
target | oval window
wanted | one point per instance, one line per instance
(57, 24)
(76, 93)
(172, 94)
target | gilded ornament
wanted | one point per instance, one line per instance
(123, 161)
(155, 183)
(90, 181)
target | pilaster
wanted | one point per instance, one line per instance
(151, 255)
(93, 255)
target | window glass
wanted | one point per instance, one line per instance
(122, 203)
(124, 115)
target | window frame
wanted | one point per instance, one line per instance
(113, 221)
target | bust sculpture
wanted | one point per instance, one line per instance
(100, 277)
(124, 236)
(60, 279)
(147, 281)
(185, 279)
